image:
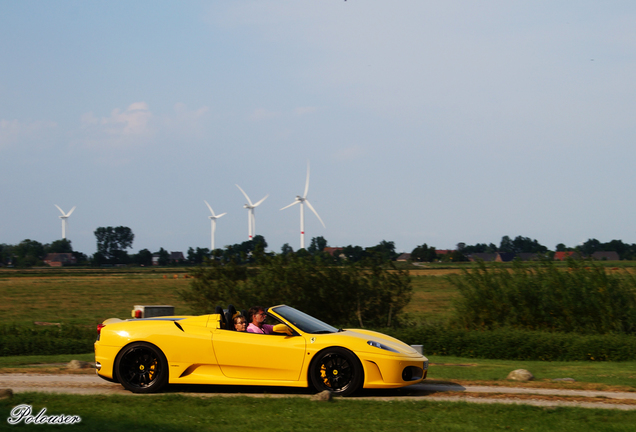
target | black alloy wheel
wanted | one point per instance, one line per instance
(337, 370)
(142, 368)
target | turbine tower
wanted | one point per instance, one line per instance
(64, 217)
(302, 200)
(251, 221)
(213, 219)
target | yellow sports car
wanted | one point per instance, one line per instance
(146, 354)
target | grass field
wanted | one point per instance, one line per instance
(180, 413)
(86, 297)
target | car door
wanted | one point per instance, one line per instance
(259, 356)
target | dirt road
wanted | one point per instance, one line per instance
(91, 384)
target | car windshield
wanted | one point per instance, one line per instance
(304, 322)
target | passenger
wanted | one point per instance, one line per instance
(240, 323)
(257, 318)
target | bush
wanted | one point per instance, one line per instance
(585, 298)
(374, 294)
(66, 339)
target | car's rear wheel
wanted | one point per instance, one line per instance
(337, 370)
(142, 368)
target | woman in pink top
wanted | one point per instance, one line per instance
(257, 316)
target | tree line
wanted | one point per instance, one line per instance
(113, 244)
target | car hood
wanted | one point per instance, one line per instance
(358, 340)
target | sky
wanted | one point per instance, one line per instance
(422, 121)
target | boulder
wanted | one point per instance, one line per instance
(520, 375)
(77, 364)
(323, 396)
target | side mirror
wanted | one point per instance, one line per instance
(282, 328)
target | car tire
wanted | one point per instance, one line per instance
(142, 368)
(337, 370)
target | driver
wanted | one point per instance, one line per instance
(257, 324)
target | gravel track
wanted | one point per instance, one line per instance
(91, 384)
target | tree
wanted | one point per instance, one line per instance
(318, 244)
(385, 250)
(506, 245)
(59, 246)
(286, 249)
(143, 258)
(164, 257)
(423, 253)
(28, 253)
(113, 242)
(521, 244)
(355, 295)
(198, 256)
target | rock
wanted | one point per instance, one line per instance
(323, 396)
(77, 364)
(6, 394)
(564, 380)
(520, 375)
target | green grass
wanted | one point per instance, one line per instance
(79, 299)
(29, 361)
(181, 413)
(87, 297)
(447, 368)
(460, 368)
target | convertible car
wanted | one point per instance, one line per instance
(146, 354)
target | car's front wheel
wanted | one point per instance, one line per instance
(142, 368)
(337, 370)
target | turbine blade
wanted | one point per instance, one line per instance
(288, 206)
(218, 216)
(69, 213)
(258, 203)
(307, 182)
(61, 211)
(248, 198)
(315, 212)
(210, 207)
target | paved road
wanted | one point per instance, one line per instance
(91, 384)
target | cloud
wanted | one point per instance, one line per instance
(12, 131)
(133, 121)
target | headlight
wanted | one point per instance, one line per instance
(381, 346)
(425, 365)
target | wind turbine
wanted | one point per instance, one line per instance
(303, 200)
(213, 219)
(64, 217)
(251, 221)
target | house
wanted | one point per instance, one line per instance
(528, 256)
(482, 257)
(176, 257)
(332, 250)
(562, 256)
(505, 256)
(404, 257)
(60, 259)
(606, 256)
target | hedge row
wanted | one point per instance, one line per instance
(66, 339)
(512, 344)
(503, 344)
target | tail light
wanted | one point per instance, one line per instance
(99, 329)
